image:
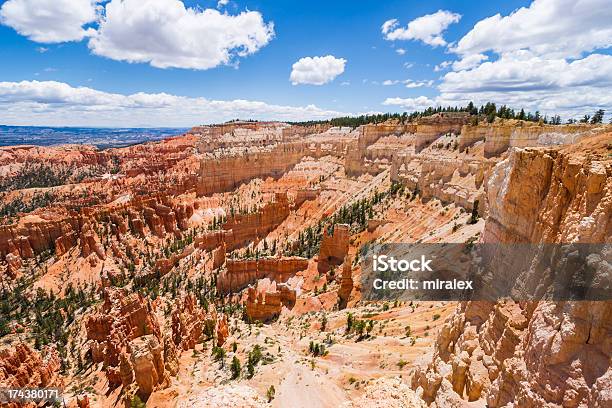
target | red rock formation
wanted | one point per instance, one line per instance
(532, 354)
(305, 195)
(83, 402)
(123, 317)
(266, 300)
(245, 228)
(334, 247)
(222, 330)
(147, 362)
(219, 256)
(346, 282)
(429, 128)
(354, 163)
(241, 273)
(225, 174)
(22, 367)
(187, 323)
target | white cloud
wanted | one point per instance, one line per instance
(316, 70)
(50, 21)
(541, 57)
(428, 28)
(410, 104)
(222, 3)
(166, 34)
(400, 51)
(42, 50)
(417, 84)
(408, 65)
(522, 79)
(408, 83)
(443, 65)
(555, 28)
(469, 62)
(58, 103)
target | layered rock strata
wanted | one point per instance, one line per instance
(532, 354)
(241, 273)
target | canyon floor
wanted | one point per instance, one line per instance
(222, 267)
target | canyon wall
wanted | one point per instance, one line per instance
(334, 247)
(266, 300)
(241, 273)
(532, 354)
(225, 174)
(503, 134)
(450, 180)
(355, 163)
(429, 128)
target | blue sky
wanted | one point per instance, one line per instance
(55, 76)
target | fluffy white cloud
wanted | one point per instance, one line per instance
(400, 51)
(163, 33)
(58, 103)
(50, 21)
(555, 28)
(427, 28)
(410, 104)
(540, 57)
(166, 34)
(522, 79)
(316, 70)
(469, 62)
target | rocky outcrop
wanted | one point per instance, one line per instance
(241, 273)
(266, 300)
(222, 330)
(355, 163)
(33, 237)
(450, 180)
(22, 367)
(304, 195)
(147, 363)
(187, 323)
(246, 228)
(532, 354)
(334, 247)
(122, 318)
(429, 128)
(225, 174)
(503, 134)
(346, 282)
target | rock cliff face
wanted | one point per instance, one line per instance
(187, 323)
(429, 128)
(266, 300)
(246, 228)
(241, 273)
(450, 180)
(501, 135)
(23, 367)
(346, 282)
(355, 163)
(123, 317)
(334, 248)
(225, 174)
(535, 353)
